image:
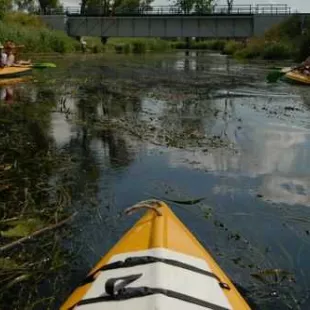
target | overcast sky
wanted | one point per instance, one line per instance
(300, 5)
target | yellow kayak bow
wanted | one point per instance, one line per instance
(157, 264)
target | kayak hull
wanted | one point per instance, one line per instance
(14, 80)
(159, 233)
(297, 77)
(13, 72)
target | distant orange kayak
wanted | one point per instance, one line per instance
(158, 264)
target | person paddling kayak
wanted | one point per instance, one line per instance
(3, 56)
(11, 51)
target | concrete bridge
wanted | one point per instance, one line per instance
(221, 22)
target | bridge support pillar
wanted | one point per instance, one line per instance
(104, 40)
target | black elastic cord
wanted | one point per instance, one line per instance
(144, 260)
(113, 288)
(128, 293)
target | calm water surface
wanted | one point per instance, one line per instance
(180, 127)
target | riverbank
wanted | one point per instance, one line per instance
(287, 40)
(30, 31)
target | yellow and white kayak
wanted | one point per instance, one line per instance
(297, 77)
(12, 72)
(158, 264)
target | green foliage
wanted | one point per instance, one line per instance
(122, 48)
(199, 6)
(22, 228)
(185, 5)
(215, 45)
(38, 39)
(276, 50)
(253, 49)
(117, 6)
(22, 19)
(157, 45)
(48, 4)
(127, 45)
(231, 47)
(179, 45)
(203, 6)
(139, 46)
(97, 48)
(5, 5)
(304, 48)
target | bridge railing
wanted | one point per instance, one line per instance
(272, 9)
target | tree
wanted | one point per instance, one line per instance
(204, 6)
(107, 7)
(5, 5)
(48, 4)
(186, 6)
(197, 6)
(230, 4)
(25, 5)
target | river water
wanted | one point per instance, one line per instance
(229, 152)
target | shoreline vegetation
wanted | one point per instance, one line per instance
(287, 40)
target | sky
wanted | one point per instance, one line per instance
(299, 5)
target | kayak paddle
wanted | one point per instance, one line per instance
(43, 65)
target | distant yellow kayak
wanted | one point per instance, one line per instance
(158, 264)
(297, 77)
(8, 72)
(17, 80)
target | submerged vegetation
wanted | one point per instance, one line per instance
(37, 186)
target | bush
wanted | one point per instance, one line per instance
(138, 47)
(179, 45)
(231, 47)
(253, 49)
(122, 48)
(19, 18)
(201, 45)
(97, 48)
(157, 45)
(38, 39)
(217, 45)
(276, 50)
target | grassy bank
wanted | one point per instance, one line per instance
(30, 31)
(128, 45)
(287, 40)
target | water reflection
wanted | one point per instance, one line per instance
(111, 165)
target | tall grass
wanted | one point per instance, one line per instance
(29, 30)
(231, 47)
(215, 45)
(138, 46)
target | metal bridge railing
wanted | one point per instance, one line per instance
(272, 9)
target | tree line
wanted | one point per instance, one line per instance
(110, 6)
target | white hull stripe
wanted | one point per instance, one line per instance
(128, 293)
(155, 279)
(144, 260)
